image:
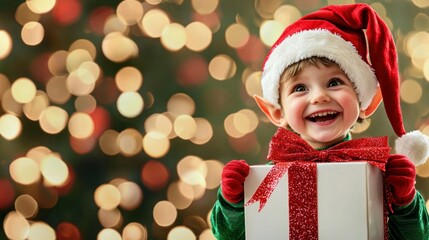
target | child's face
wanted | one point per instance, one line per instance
(320, 104)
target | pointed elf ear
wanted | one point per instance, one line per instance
(376, 100)
(273, 113)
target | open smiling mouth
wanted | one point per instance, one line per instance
(322, 117)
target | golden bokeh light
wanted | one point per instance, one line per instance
(4, 84)
(107, 197)
(81, 125)
(185, 127)
(204, 131)
(186, 190)
(115, 25)
(57, 63)
(222, 67)
(77, 57)
(241, 123)
(40, 6)
(54, 170)
(252, 84)
(33, 110)
(214, 174)
(204, 7)
(109, 234)
(108, 142)
(23, 90)
(421, 3)
(53, 119)
(181, 232)
(192, 170)
(130, 11)
(110, 218)
(23, 14)
(266, 8)
(287, 14)
(164, 213)
(237, 35)
(130, 104)
(32, 33)
(129, 79)
(421, 22)
(154, 22)
(130, 142)
(198, 36)
(158, 123)
(38, 153)
(41, 231)
(78, 85)
(245, 121)
(134, 231)
(85, 103)
(131, 195)
(156, 144)
(24, 170)
(16, 226)
(84, 44)
(173, 37)
(153, 2)
(207, 235)
(270, 31)
(181, 104)
(57, 89)
(6, 44)
(417, 47)
(26, 205)
(177, 198)
(10, 126)
(88, 72)
(9, 104)
(411, 91)
(426, 69)
(119, 48)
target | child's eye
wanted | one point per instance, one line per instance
(335, 82)
(299, 88)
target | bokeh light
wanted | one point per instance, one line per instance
(32, 33)
(7, 44)
(107, 197)
(164, 213)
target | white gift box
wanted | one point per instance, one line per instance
(349, 200)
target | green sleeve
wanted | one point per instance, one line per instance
(227, 219)
(410, 221)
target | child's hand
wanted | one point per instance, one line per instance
(233, 175)
(401, 174)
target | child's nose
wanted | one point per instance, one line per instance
(320, 96)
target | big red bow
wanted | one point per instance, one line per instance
(286, 146)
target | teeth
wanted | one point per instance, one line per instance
(321, 114)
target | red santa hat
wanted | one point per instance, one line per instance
(359, 41)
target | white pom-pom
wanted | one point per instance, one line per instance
(414, 145)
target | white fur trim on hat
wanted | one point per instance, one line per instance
(320, 43)
(414, 145)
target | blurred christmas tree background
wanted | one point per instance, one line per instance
(117, 117)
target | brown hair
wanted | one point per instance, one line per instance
(297, 67)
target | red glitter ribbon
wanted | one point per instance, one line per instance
(292, 154)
